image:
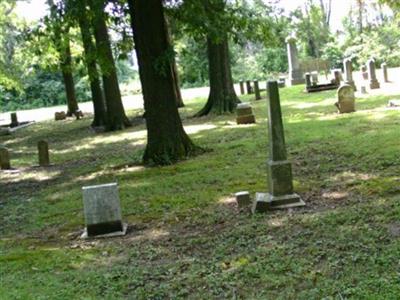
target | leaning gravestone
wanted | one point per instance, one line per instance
(244, 114)
(257, 89)
(348, 72)
(385, 72)
(43, 151)
(248, 87)
(280, 182)
(241, 84)
(14, 120)
(4, 159)
(346, 99)
(373, 81)
(102, 211)
(295, 72)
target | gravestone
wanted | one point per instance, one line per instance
(4, 159)
(346, 99)
(363, 89)
(248, 87)
(385, 72)
(337, 74)
(257, 89)
(364, 72)
(348, 72)
(14, 120)
(307, 77)
(244, 114)
(280, 193)
(58, 116)
(43, 153)
(373, 81)
(102, 211)
(282, 82)
(241, 84)
(243, 199)
(295, 72)
(314, 78)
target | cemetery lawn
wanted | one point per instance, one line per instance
(187, 239)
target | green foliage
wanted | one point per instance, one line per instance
(333, 53)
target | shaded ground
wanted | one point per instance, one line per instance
(187, 239)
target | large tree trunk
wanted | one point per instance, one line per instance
(116, 118)
(167, 141)
(100, 117)
(66, 69)
(222, 97)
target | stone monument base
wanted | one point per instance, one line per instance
(105, 235)
(265, 202)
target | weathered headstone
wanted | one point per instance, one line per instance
(241, 84)
(363, 89)
(244, 114)
(280, 193)
(364, 72)
(256, 89)
(373, 81)
(248, 87)
(385, 72)
(314, 78)
(58, 116)
(102, 210)
(4, 159)
(14, 120)
(243, 199)
(346, 99)
(43, 153)
(307, 77)
(337, 76)
(282, 82)
(348, 72)
(295, 73)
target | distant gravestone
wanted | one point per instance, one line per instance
(257, 89)
(243, 199)
(348, 72)
(43, 153)
(295, 72)
(307, 77)
(314, 78)
(14, 120)
(58, 116)
(102, 211)
(337, 76)
(244, 114)
(241, 84)
(385, 72)
(4, 159)
(280, 193)
(346, 99)
(248, 87)
(363, 89)
(282, 82)
(364, 72)
(373, 81)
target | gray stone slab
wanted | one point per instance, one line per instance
(243, 199)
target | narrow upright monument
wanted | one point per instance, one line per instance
(4, 159)
(43, 153)
(373, 81)
(385, 72)
(295, 73)
(348, 72)
(241, 84)
(14, 120)
(280, 182)
(257, 89)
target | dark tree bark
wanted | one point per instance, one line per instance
(222, 97)
(167, 141)
(100, 117)
(116, 118)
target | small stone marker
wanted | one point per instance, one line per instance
(4, 159)
(43, 150)
(346, 99)
(348, 72)
(244, 114)
(314, 78)
(307, 77)
(363, 89)
(257, 89)
(385, 72)
(243, 199)
(241, 84)
(14, 120)
(102, 211)
(373, 81)
(280, 182)
(58, 116)
(282, 82)
(337, 76)
(248, 87)
(364, 72)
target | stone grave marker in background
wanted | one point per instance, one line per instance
(346, 99)
(241, 84)
(14, 120)
(248, 87)
(363, 89)
(314, 78)
(43, 153)
(348, 73)
(102, 211)
(295, 72)
(373, 81)
(364, 72)
(385, 72)
(243, 199)
(282, 82)
(244, 114)
(257, 89)
(4, 159)
(337, 76)
(307, 77)
(280, 193)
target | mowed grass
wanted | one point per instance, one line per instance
(187, 239)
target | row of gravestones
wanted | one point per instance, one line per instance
(255, 88)
(43, 155)
(101, 203)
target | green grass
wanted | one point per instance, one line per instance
(187, 239)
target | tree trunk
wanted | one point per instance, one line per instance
(66, 69)
(100, 117)
(116, 118)
(222, 97)
(167, 141)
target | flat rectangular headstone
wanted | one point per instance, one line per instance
(102, 209)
